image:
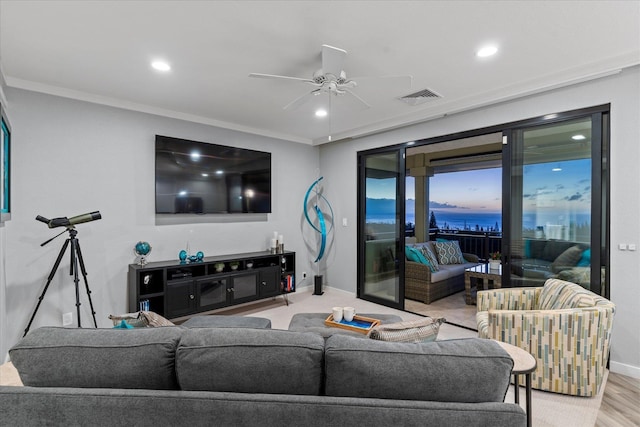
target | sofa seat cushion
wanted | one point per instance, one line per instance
(98, 358)
(250, 361)
(450, 270)
(467, 370)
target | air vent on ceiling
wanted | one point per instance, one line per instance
(420, 97)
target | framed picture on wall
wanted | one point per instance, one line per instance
(5, 167)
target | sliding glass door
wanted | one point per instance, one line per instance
(557, 225)
(381, 227)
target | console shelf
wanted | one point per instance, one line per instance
(174, 289)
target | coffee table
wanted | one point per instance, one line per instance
(523, 364)
(481, 273)
(314, 322)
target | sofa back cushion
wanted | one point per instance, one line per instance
(98, 358)
(467, 370)
(557, 294)
(250, 361)
(567, 259)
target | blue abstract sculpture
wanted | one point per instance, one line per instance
(322, 226)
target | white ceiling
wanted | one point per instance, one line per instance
(100, 51)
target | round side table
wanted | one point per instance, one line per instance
(523, 364)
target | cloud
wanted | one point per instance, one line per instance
(437, 205)
(573, 198)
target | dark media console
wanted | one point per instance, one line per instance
(175, 290)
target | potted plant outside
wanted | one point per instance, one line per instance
(234, 265)
(219, 266)
(495, 260)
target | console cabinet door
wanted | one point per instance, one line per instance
(181, 298)
(269, 282)
(244, 287)
(212, 292)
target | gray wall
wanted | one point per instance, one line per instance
(338, 163)
(73, 157)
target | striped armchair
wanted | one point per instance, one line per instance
(564, 326)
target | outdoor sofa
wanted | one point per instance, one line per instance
(430, 281)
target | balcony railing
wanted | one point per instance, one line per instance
(480, 243)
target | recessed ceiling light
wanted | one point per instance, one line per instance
(321, 113)
(219, 172)
(205, 175)
(195, 156)
(556, 169)
(578, 137)
(487, 51)
(161, 66)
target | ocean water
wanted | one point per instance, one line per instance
(461, 220)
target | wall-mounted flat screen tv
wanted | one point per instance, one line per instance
(201, 178)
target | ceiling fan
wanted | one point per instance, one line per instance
(330, 79)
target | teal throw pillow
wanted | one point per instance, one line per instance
(585, 259)
(415, 255)
(123, 325)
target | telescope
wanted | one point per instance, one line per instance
(69, 222)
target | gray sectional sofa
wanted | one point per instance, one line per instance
(242, 377)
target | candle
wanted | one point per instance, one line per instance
(274, 243)
(280, 239)
(275, 235)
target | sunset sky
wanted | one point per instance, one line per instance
(565, 190)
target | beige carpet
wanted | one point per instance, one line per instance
(548, 409)
(453, 308)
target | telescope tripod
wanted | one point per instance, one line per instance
(76, 260)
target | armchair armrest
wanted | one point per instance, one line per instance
(508, 299)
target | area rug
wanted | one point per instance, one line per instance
(559, 410)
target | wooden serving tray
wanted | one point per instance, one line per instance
(359, 324)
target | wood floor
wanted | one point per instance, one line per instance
(620, 403)
(621, 400)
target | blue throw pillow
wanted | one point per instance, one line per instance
(585, 259)
(123, 325)
(415, 255)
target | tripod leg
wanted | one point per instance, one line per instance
(49, 279)
(76, 279)
(86, 283)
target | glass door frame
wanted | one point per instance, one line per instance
(361, 233)
(600, 235)
(599, 187)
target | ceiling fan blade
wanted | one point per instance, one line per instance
(332, 59)
(364, 103)
(406, 81)
(300, 100)
(273, 76)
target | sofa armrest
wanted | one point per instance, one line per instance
(471, 257)
(415, 270)
(508, 299)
